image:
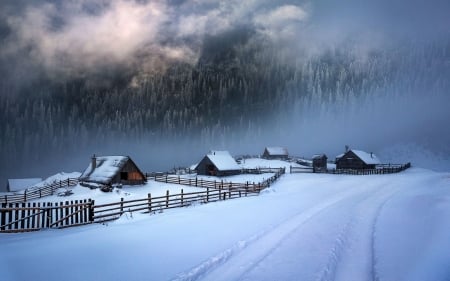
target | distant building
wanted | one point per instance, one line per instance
(319, 162)
(275, 152)
(14, 185)
(357, 159)
(218, 163)
(108, 170)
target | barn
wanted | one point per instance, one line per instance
(275, 152)
(14, 185)
(108, 170)
(319, 163)
(218, 163)
(357, 160)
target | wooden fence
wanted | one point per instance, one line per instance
(23, 217)
(30, 194)
(216, 184)
(380, 170)
(112, 211)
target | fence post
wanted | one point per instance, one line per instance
(68, 182)
(121, 206)
(207, 194)
(290, 169)
(195, 181)
(25, 196)
(149, 202)
(166, 178)
(40, 192)
(167, 199)
(181, 197)
(91, 210)
(178, 179)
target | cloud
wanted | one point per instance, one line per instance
(79, 37)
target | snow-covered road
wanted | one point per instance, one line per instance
(305, 227)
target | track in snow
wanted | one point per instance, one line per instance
(234, 262)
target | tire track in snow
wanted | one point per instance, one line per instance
(348, 241)
(261, 244)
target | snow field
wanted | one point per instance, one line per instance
(305, 227)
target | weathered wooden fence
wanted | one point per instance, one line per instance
(221, 184)
(31, 216)
(30, 194)
(380, 170)
(112, 211)
(22, 217)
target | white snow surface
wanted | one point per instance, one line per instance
(368, 158)
(277, 150)
(106, 168)
(304, 227)
(223, 160)
(22, 184)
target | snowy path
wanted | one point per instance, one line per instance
(238, 262)
(350, 243)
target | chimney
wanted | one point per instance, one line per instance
(94, 162)
(346, 148)
(371, 155)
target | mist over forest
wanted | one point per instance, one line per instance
(166, 81)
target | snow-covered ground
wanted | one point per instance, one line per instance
(304, 227)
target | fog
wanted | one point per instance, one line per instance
(102, 42)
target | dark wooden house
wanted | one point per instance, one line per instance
(319, 162)
(218, 163)
(357, 160)
(108, 170)
(275, 152)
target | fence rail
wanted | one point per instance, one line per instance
(23, 217)
(199, 182)
(380, 170)
(30, 194)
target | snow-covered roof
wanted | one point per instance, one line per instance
(223, 160)
(368, 158)
(22, 184)
(276, 150)
(315, 156)
(106, 168)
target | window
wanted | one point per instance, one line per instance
(124, 176)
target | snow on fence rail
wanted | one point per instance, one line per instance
(35, 193)
(221, 184)
(112, 211)
(23, 217)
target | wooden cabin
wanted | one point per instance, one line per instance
(108, 170)
(357, 160)
(275, 152)
(319, 162)
(218, 163)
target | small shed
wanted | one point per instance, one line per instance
(108, 170)
(218, 163)
(14, 185)
(275, 152)
(319, 162)
(357, 160)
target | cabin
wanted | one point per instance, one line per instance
(15, 185)
(357, 160)
(275, 152)
(218, 163)
(109, 170)
(319, 162)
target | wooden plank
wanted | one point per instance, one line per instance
(22, 215)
